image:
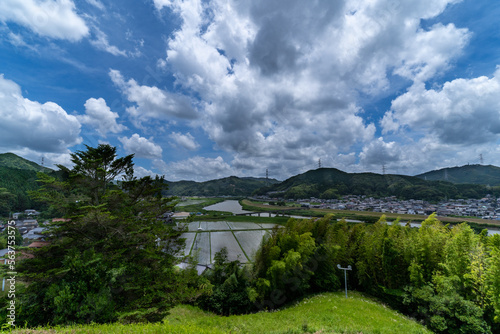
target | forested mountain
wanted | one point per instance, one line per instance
(15, 184)
(329, 183)
(13, 161)
(17, 177)
(228, 186)
(472, 174)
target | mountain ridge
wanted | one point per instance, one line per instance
(332, 183)
(327, 183)
(12, 160)
(227, 186)
(471, 174)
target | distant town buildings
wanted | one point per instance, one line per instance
(486, 208)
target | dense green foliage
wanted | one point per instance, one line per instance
(14, 186)
(113, 259)
(471, 174)
(4, 238)
(230, 284)
(228, 186)
(17, 177)
(331, 183)
(447, 277)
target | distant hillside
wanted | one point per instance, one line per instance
(18, 176)
(330, 183)
(229, 186)
(17, 182)
(474, 174)
(13, 161)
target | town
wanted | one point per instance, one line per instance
(486, 208)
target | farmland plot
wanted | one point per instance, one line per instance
(193, 226)
(250, 240)
(189, 241)
(226, 239)
(243, 226)
(268, 226)
(202, 245)
(212, 226)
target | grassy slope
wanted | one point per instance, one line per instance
(324, 313)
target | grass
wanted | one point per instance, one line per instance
(324, 313)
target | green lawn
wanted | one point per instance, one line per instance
(324, 313)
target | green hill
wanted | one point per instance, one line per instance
(330, 183)
(473, 174)
(228, 186)
(18, 176)
(17, 182)
(324, 313)
(13, 161)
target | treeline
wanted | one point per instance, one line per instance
(113, 256)
(448, 278)
(330, 183)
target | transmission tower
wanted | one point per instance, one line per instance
(481, 161)
(267, 177)
(383, 169)
(319, 163)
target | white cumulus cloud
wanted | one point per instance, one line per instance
(56, 19)
(100, 116)
(186, 141)
(195, 168)
(281, 80)
(462, 112)
(152, 102)
(29, 124)
(141, 147)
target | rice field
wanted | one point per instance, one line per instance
(250, 241)
(226, 239)
(242, 240)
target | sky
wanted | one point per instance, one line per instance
(200, 90)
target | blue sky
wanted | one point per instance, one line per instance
(200, 90)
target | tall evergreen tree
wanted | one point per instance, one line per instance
(113, 257)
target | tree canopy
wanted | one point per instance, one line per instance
(113, 256)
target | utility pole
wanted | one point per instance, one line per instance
(345, 275)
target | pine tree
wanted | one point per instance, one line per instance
(113, 258)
